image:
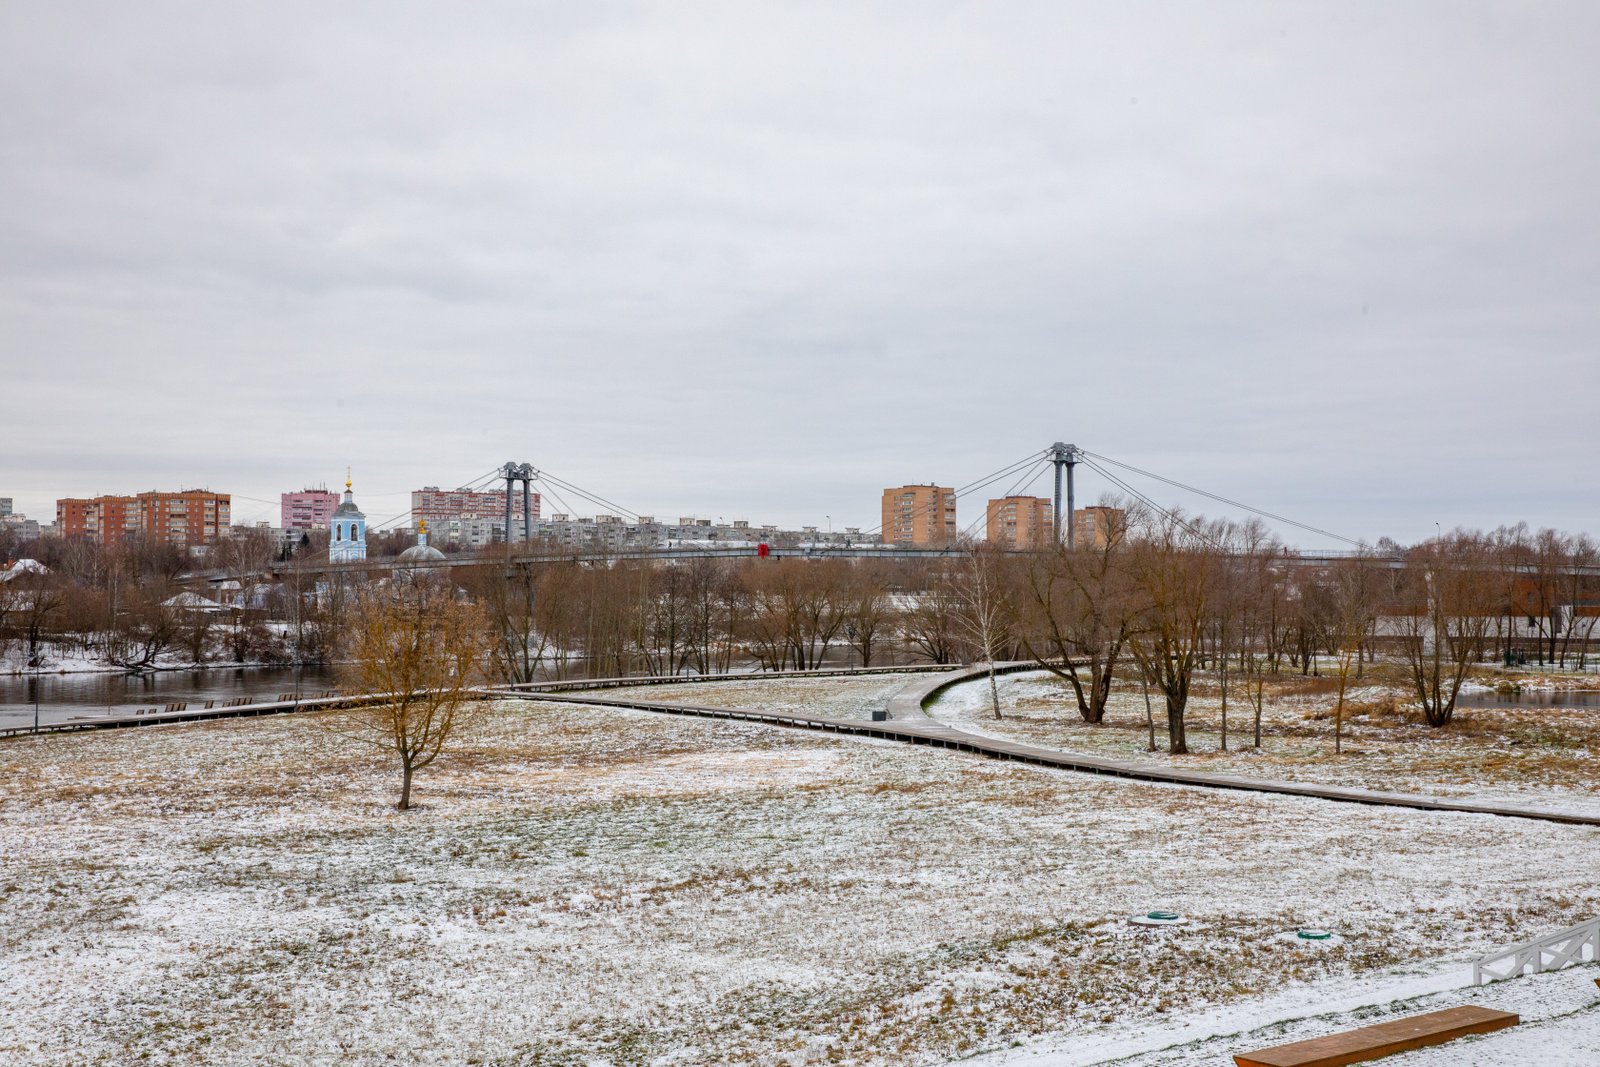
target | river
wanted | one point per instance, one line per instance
(67, 696)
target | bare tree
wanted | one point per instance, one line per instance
(510, 593)
(144, 630)
(1353, 590)
(984, 613)
(1580, 617)
(422, 649)
(931, 624)
(1172, 569)
(868, 609)
(1450, 594)
(1073, 613)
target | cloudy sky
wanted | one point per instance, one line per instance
(1339, 261)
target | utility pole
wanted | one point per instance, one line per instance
(1067, 456)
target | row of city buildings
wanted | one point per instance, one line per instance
(925, 515)
(912, 515)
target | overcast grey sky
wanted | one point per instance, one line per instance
(759, 261)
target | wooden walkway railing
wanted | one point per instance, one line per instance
(1575, 944)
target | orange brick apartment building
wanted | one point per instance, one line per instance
(188, 517)
(919, 515)
(1021, 522)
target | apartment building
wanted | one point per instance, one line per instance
(188, 517)
(1095, 526)
(468, 517)
(1021, 522)
(309, 509)
(919, 515)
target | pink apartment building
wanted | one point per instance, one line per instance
(309, 509)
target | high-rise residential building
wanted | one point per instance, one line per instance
(919, 515)
(105, 519)
(1021, 522)
(1094, 527)
(15, 523)
(469, 517)
(309, 509)
(188, 517)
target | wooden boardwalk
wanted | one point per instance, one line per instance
(229, 710)
(908, 724)
(310, 703)
(910, 703)
(927, 731)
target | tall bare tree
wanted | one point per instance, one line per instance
(1450, 593)
(868, 610)
(984, 612)
(931, 624)
(1172, 567)
(1353, 589)
(1073, 612)
(423, 650)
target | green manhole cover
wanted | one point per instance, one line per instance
(1313, 934)
(1162, 916)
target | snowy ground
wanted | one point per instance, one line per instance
(1533, 755)
(63, 660)
(587, 886)
(1559, 1011)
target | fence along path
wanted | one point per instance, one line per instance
(924, 730)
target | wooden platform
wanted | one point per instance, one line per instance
(1384, 1039)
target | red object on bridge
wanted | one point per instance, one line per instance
(762, 550)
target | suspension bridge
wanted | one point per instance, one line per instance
(1017, 478)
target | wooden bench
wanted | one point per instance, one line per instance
(1384, 1039)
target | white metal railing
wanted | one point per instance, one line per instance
(1575, 944)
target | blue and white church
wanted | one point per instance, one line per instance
(347, 530)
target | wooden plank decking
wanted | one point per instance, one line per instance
(1384, 1039)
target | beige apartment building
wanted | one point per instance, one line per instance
(919, 515)
(1021, 522)
(1094, 527)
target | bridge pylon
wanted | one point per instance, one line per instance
(1064, 455)
(513, 473)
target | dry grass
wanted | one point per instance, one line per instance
(1527, 753)
(584, 885)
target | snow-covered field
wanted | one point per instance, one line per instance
(587, 886)
(1532, 755)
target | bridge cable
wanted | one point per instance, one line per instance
(1171, 516)
(938, 502)
(564, 505)
(592, 497)
(1226, 500)
(1024, 465)
(1016, 489)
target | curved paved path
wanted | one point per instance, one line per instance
(910, 702)
(924, 730)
